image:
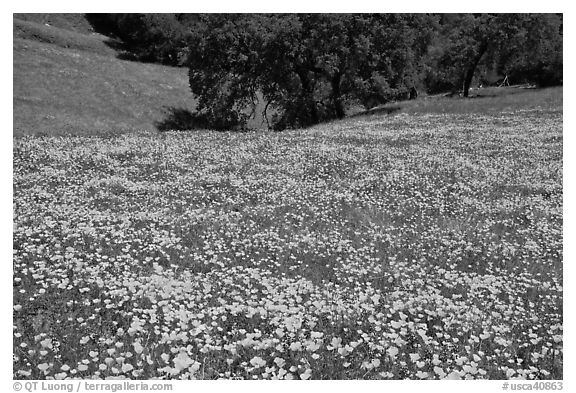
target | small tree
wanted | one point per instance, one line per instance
(224, 69)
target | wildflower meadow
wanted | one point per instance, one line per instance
(421, 246)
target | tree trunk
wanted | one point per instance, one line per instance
(337, 96)
(472, 68)
(308, 97)
(468, 80)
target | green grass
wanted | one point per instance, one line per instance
(63, 38)
(71, 22)
(490, 100)
(417, 245)
(67, 82)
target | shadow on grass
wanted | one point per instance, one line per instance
(181, 119)
(126, 52)
(476, 96)
(383, 110)
(122, 50)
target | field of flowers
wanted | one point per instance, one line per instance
(413, 246)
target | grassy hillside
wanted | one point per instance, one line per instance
(491, 100)
(71, 22)
(64, 38)
(69, 81)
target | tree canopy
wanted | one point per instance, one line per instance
(306, 67)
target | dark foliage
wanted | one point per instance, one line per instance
(181, 119)
(155, 38)
(468, 47)
(307, 67)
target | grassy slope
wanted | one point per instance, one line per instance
(63, 38)
(70, 82)
(490, 101)
(71, 22)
